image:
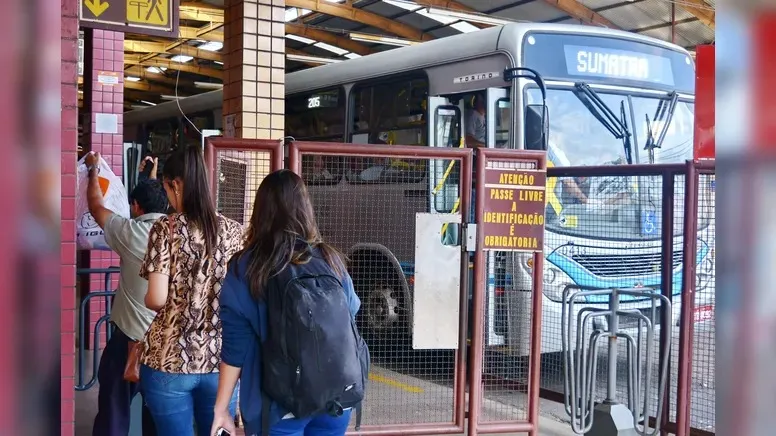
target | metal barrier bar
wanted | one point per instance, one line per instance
(80, 385)
(684, 393)
(666, 282)
(299, 149)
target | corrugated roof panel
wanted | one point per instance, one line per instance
(631, 17)
(537, 11)
(664, 33)
(487, 5)
(696, 32)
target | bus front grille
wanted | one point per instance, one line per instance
(635, 264)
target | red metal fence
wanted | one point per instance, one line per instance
(366, 198)
(236, 167)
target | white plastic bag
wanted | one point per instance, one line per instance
(89, 236)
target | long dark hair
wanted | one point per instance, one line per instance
(188, 165)
(282, 230)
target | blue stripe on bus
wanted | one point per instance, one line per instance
(581, 276)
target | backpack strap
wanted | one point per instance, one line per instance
(265, 410)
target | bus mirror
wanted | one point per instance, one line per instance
(537, 127)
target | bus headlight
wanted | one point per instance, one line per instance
(554, 282)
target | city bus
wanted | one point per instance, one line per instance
(612, 98)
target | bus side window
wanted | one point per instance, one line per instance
(446, 175)
(503, 122)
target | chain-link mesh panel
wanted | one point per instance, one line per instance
(604, 232)
(239, 174)
(366, 208)
(703, 385)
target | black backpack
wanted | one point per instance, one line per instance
(314, 360)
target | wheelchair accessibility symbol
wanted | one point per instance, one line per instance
(649, 222)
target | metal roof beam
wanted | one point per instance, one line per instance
(581, 12)
(177, 66)
(453, 6)
(161, 48)
(201, 12)
(152, 88)
(328, 38)
(357, 15)
(206, 33)
(700, 10)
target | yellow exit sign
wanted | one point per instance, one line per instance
(147, 17)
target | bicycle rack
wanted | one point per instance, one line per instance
(80, 385)
(611, 418)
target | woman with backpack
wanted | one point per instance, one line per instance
(288, 312)
(185, 264)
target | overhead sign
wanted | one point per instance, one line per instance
(513, 216)
(147, 17)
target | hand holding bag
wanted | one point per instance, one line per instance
(132, 368)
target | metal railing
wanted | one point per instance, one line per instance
(83, 319)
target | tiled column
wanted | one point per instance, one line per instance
(254, 64)
(104, 60)
(69, 144)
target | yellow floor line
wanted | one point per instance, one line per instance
(396, 384)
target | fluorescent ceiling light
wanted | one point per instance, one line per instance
(460, 26)
(352, 55)
(181, 58)
(132, 79)
(301, 39)
(156, 70)
(211, 46)
(474, 18)
(170, 97)
(364, 37)
(331, 48)
(312, 59)
(219, 62)
(292, 14)
(148, 103)
(208, 85)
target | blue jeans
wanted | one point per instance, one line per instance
(323, 425)
(177, 401)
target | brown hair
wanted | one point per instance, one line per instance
(282, 230)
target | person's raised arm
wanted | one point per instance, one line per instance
(94, 193)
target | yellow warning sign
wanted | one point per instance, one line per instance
(151, 12)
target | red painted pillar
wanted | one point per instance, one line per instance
(69, 146)
(104, 89)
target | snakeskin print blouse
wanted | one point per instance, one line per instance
(185, 336)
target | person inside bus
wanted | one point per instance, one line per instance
(129, 317)
(185, 265)
(568, 189)
(476, 125)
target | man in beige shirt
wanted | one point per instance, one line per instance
(128, 237)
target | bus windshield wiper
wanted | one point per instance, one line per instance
(618, 127)
(663, 116)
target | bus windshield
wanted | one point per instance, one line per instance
(609, 207)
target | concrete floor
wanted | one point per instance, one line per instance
(392, 398)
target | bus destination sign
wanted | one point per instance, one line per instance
(618, 64)
(513, 216)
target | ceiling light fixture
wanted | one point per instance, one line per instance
(311, 59)
(377, 39)
(132, 79)
(208, 85)
(474, 18)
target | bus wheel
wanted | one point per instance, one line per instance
(382, 308)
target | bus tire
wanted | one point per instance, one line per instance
(384, 293)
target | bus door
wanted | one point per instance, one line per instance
(498, 121)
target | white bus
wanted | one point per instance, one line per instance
(613, 97)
